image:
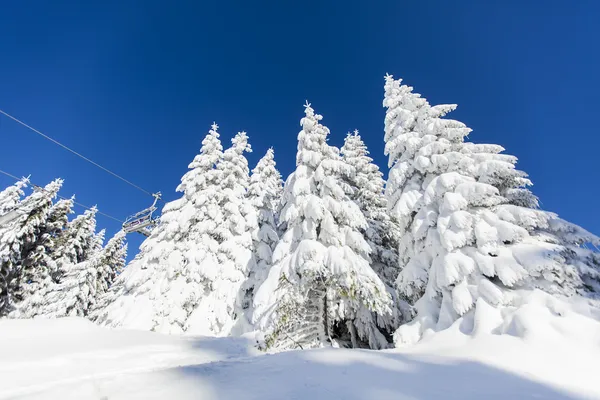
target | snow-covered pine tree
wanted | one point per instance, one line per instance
(74, 296)
(382, 232)
(114, 256)
(368, 185)
(79, 242)
(45, 252)
(178, 263)
(264, 194)
(11, 196)
(473, 236)
(98, 241)
(321, 284)
(80, 287)
(58, 220)
(53, 234)
(221, 310)
(43, 257)
(25, 267)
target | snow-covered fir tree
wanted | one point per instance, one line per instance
(235, 254)
(78, 243)
(51, 238)
(11, 196)
(367, 184)
(98, 241)
(321, 287)
(473, 236)
(58, 220)
(382, 233)
(80, 287)
(25, 267)
(169, 286)
(114, 256)
(40, 262)
(73, 296)
(264, 194)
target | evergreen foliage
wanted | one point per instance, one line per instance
(321, 286)
(472, 232)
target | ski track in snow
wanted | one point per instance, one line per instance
(74, 359)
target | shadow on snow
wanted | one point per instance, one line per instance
(353, 374)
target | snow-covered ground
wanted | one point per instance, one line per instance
(74, 359)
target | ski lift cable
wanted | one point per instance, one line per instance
(64, 198)
(74, 152)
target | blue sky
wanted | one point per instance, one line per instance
(135, 85)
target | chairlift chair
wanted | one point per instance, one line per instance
(142, 222)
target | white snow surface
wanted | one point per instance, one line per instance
(554, 357)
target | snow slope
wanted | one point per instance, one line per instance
(73, 359)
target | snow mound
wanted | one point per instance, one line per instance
(73, 359)
(537, 318)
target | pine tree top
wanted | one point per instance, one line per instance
(11, 196)
(202, 173)
(266, 169)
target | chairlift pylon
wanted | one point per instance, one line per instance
(143, 222)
